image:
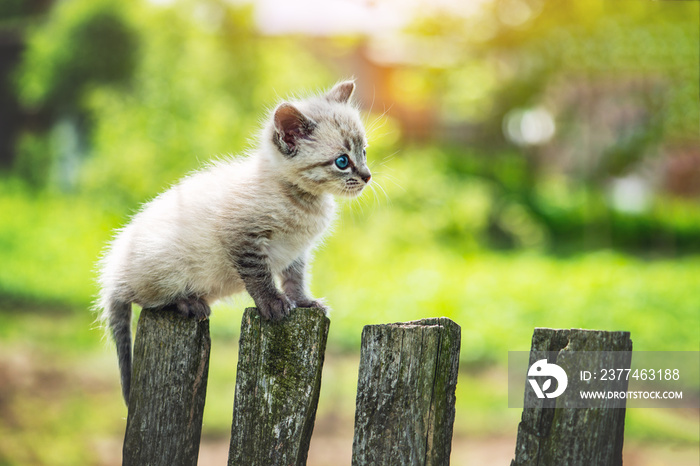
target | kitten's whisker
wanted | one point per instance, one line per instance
(374, 134)
(359, 203)
(382, 162)
(396, 183)
(392, 179)
(386, 195)
(385, 113)
(376, 188)
(390, 157)
(374, 95)
(370, 125)
(374, 195)
(383, 118)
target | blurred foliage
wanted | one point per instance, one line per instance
(620, 80)
(182, 85)
(134, 95)
(48, 246)
(416, 253)
(564, 217)
(81, 45)
(527, 46)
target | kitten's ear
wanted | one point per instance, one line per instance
(341, 92)
(290, 126)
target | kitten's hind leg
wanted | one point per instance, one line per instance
(193, 306)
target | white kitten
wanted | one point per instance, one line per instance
(238, 225)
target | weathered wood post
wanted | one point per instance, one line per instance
(552, 433)
(168, 389)
(277, 386)
(406, 393)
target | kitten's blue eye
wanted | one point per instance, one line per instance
(342, 162)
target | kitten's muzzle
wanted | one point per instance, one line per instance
(365, 175)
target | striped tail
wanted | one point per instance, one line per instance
(120, 324)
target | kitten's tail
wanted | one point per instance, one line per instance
(119, 313)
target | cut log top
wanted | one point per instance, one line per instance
(406, 392)
(577, 339)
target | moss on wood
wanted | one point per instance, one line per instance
(277, 387)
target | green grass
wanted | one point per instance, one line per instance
(49, 245)
(389, 260)
(409, 255)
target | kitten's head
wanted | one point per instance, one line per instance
(319, 143)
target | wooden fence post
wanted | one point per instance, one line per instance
(551, 434)
(406, 393)
(168, 389)
(277, 385)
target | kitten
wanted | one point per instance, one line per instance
(239, 224)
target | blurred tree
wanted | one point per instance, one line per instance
(88, 44)
(138, 93)
(78, 46)
(589, 92)
(14, 17)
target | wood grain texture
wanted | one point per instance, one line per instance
(406, 393)
(555, 434)
(277, 387)
(168, 390)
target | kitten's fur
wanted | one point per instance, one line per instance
(238, 225)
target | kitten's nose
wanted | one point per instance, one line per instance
(365, 175)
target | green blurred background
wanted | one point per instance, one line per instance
(537, 164)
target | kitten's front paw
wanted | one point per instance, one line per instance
(317, 303)
(275, 307)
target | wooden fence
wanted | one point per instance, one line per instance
(551, 434)
(405, 405)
